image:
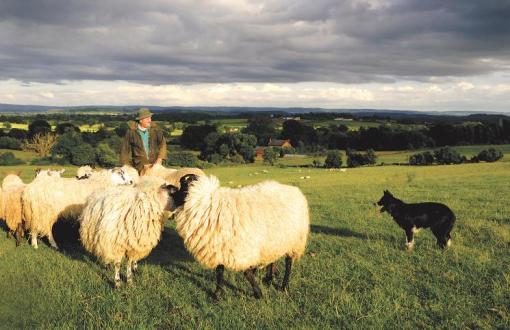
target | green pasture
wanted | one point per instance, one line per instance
(396, 157)
(355, 273)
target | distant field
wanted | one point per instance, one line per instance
(355, 273)
(400, 157)
(15, 125)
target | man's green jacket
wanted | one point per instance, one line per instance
(132, 151)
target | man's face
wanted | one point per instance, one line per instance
(145, 122)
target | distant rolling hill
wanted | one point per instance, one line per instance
(15, 108)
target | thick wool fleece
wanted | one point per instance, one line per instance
(124, 221)
(46, 201)
(11, 202)
(242, 228)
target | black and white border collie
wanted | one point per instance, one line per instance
(413, 217)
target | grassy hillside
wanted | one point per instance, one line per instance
(355, 273)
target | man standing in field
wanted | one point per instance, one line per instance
(143, 145)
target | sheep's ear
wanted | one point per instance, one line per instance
(187, 179)
(171, 189)
(37, 170)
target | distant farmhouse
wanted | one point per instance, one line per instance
(279, 143)
(259, 151)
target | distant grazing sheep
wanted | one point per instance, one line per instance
(46, 201)
(125, 222)
(241, 229)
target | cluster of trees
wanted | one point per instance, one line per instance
(307, 138)
(65, 145)
(447, 155)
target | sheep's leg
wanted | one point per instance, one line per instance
(134, 266)
(19, 234)
(52, 241)
(249, 274)
(219, 281)
(129, 273)
(117, 275)
(269, 274)
(33, 240)
(9, 234)
(288, 267)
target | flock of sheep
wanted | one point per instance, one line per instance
(121, 216)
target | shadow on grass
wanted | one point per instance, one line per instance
(3, 227)
(169, 250)
(207, 276)
(344, 232)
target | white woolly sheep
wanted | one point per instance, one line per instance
(10, 206)
(242, 229)
(84, 172)
(125, 222)
(10, 201)
(46, 201)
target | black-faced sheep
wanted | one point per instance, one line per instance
(241, 229)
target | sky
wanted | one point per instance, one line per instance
(404, 54)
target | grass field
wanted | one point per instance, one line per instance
(355, 273)
(397, 157)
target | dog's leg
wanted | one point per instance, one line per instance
(410, 238)
(442, 233)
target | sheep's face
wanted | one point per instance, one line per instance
(180, 195)
(119, 177)
(165, 195)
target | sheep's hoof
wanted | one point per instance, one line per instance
(267, 280)
(257, 294)
(118, 284)
(283, 289)
(217, 294)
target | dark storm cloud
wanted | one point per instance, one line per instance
(236, 41)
